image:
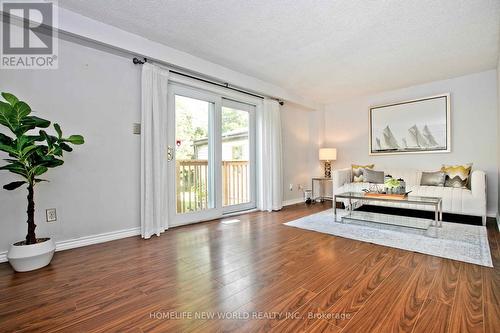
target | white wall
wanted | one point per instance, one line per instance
(301, 133)
(95, 94)
(474, 128)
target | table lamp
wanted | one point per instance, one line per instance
(327, 155)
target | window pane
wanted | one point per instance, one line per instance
(192, 140)
(235, 156)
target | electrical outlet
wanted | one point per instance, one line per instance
(51, 214)
(290, 187)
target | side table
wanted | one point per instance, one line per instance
(322, 181)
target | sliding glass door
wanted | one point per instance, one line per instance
(210, 155)
(238, 151)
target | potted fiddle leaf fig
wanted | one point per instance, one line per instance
(31, 153)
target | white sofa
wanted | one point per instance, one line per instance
(455, 200)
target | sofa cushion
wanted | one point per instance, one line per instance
(433, 178)
(372, 176)
(358, 170)
(457, 175)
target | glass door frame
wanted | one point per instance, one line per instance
(251, 109)
(216, 97)
(214, 155)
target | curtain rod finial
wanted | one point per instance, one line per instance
(137, 61)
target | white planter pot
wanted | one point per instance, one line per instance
(25, 258)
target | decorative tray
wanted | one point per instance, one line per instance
(388, 196)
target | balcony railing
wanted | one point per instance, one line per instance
(192, 184)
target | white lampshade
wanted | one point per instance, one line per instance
(327, 154)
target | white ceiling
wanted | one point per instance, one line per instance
(324, 50)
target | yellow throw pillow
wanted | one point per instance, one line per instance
(358, 170)
(457, 176)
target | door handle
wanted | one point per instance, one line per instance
(170, 153)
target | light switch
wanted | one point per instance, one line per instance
(137, 128)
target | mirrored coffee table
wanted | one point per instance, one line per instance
(396, 220)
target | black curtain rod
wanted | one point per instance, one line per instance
(137, 61)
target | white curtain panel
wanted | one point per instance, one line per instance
(269, 157)
(153, 150)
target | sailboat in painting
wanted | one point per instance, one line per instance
(388, 141)
(416, 140)
(430, 138)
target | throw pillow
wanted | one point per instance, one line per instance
(437, 178)
(457, 175)
(375, 177)
(357, 172)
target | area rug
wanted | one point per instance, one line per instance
(455, 241)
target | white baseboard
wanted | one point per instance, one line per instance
(491, 214)
(293, 201)
(95, 239)
(88, 240)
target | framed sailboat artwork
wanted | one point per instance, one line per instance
(415, 126)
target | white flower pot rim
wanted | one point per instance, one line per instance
(38, 241)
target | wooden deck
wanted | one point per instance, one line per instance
(285, 279)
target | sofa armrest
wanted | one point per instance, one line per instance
(340, 177)
(478, 184)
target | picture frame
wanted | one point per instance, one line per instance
(414, 126)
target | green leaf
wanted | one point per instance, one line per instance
(16, 168)
(22, 110)
(36, 122)
(65, 147)
(33, 138)
(12, 116)
(6, 140)
(76, 139)
(22, 129)
(10, 98)
(46, 137)
(58, 130)
(27, 151)
(52, 163)
(21, 142)
(37, 180)
(14, 185)
(40, 122)
(58, 151)
(7, 115)
(8, 149)
(42, 151)
(39, 170)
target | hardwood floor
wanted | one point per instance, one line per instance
(260, 276)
